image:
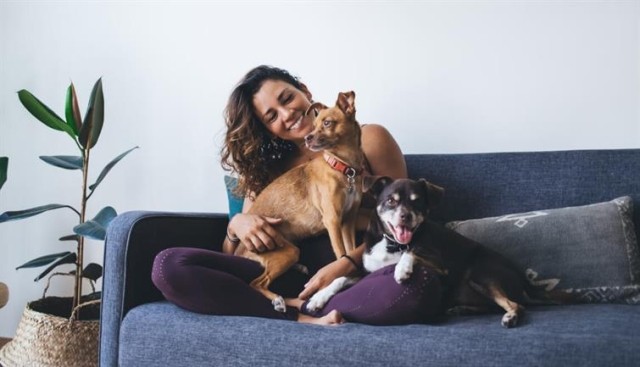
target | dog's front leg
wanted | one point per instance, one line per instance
(332, 223)
(320, 299)
(349, 234)
(404, 267)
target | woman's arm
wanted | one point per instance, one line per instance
(382, 152)
(333, 270)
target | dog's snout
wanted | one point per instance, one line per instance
(405, 215)
(308, 138)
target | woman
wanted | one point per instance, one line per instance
(266, 126)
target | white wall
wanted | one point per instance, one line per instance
(472, 76)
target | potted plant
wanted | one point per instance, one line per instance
(72, 321)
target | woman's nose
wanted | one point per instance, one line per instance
(286, 114)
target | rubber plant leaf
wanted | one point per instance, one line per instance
(72, 111)
(71, 162)
(70, 237)
(21, 214)
(68, 259)
(96, 228)
(4, 165)
(93, 120)
(92, 271)
(43, 113)
(43, 260)
(108, 168)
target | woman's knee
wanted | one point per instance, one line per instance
(166, 270)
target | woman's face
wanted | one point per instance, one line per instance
(281, 107)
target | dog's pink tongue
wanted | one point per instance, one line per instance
(403, 234)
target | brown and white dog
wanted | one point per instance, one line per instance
(324, 193)
(476, 278)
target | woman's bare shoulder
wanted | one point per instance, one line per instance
(382, 151)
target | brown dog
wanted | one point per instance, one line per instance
(324, 193)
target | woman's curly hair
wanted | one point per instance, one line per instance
(249, 149)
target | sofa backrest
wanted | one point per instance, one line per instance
(492, 184)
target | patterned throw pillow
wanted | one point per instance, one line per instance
(590, 251)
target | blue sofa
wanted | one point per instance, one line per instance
(139, 328)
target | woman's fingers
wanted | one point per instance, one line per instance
(310, 288)
(266, 240)
(257, 233)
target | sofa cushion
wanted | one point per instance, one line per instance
(590, 251)
(576, 335)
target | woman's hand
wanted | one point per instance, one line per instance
(326, 275)
(255, 231)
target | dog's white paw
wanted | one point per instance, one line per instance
(279, 305)
(509, 319)
(404, 268)
(318, 300)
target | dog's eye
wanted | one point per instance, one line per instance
(327, 123)
(391, 201)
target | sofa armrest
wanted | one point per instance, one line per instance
(133, 240)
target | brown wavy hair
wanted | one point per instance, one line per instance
(249, 149)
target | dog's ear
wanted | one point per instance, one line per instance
(346, 102)
(435, 193)
(375, 184)
(315, 107)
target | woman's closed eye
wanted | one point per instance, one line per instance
(270, 117)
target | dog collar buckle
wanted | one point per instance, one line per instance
(347, 170)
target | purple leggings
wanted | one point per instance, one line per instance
(211, 282)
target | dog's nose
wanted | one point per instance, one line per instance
(405, 216)
(308, 138)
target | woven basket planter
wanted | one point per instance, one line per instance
(47, 335)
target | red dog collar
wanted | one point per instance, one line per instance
(340, 166)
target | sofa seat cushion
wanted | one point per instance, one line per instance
(576, 335)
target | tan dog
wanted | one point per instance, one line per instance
(324, 193)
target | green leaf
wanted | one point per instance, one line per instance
(21, 214)
(43, 113)
(43, 260)
(70, 237)
(108, 168)
(72, 111)
(4, 165)
(64, 161)
(93, 120)
(96, 228)
(92, 271)
(68, 259)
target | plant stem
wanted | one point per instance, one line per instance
(83, 209)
